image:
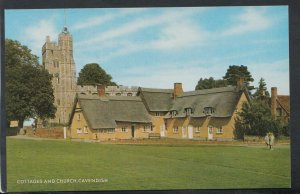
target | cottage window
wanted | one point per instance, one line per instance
(208, 110)
(188, 111)
(110, 130)
(85, 130)
(146, 128)
(175, 129)
(79, 130)
(124, 129)
(197, 129)
(219, 130)
(78, 116)
(157, 114)
(174, 113)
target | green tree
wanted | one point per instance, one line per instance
(28, 88)
(210, 83)
(261, 92)
(255, 119)
(93, 74)
(235, 72)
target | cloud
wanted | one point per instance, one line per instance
(179, 35)
(98, 20)
(34, 36)
(251, 20)
(135, 26)
(174, 36)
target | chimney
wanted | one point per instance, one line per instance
(177, 90)
(240, 83)
(273, 101)
(101, 90)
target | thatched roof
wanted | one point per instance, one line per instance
(104, 112)
(222, 100)
(157, 99)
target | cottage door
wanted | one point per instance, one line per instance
(184, 132)
(210, 133)
(190, 132)
(132, 131)
(162, 130)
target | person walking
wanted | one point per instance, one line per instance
(271, 140)
(267, 140)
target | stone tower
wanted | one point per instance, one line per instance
(58, 60)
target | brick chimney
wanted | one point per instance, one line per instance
(101, 90)
(177, 90)
(273, 101)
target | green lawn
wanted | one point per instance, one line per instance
(130, 167)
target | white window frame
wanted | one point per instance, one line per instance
(175, 130)
(146, 128)
(85, 129)
(198, 129)
(79, 131)
(157, 114)
(189, 111)
(124, 129)
(174, 113)
(209, 110)
(219, 130)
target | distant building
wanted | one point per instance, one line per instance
(280, 106)
(205, 114)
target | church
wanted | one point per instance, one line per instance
(58, 59)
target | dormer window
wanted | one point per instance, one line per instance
(174, 113)
(208, 110)
(188, 111)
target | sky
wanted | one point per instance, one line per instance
(156, 47)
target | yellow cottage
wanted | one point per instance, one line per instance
(107, 118)
(204, 114)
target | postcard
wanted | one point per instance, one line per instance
(147, 98)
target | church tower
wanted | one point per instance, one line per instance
(58, 60)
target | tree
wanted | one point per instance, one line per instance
(210, 83)
(256, 119)
(261, 92)
(235, 72)
(28, 88)
(93, 74)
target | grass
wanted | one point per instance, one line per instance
(139, 167)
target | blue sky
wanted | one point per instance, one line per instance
(156, 47)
